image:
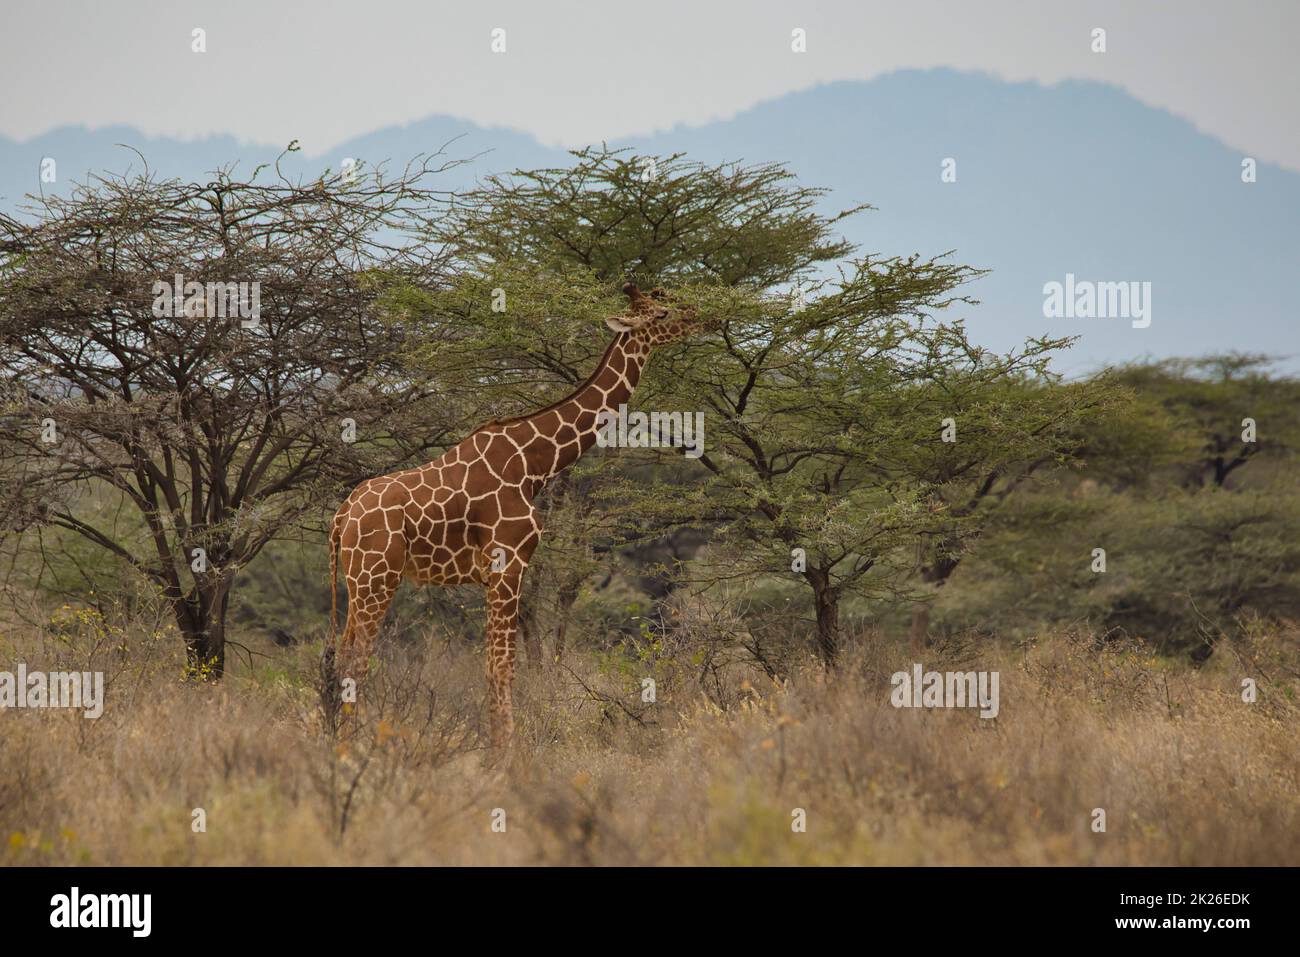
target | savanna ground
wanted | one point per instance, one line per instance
(1187, 772)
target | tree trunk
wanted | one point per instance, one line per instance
(936, 573)
(566, 599)
(920, 627)
(531, 639)
(827, 602)
(1220, 472)
(202, 622)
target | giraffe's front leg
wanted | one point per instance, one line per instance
(503, 619)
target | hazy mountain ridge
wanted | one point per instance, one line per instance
(1075, 178)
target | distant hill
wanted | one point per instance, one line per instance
(1075, 178)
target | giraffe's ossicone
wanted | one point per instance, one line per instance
(469, 516)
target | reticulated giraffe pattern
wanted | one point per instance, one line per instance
(469, 516)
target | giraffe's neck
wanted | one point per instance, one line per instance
(572, 422)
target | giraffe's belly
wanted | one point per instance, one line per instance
(428, 576)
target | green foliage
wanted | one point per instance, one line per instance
(1209, 400)
(650, 219)
(1185, 568)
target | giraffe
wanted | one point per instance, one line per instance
(469, 516)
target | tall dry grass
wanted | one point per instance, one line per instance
(709, 773)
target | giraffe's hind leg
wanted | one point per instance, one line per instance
(372, 564)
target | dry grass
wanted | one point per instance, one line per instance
(1187, 772)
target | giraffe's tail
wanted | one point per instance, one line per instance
(336, 530)
(329, 697)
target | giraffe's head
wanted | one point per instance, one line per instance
(655, 317)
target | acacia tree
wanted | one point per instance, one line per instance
(847, 432)
(218, 413)
(824, 398)
(541, 255)
(1228, 406)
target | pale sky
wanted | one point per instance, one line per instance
(575, 73)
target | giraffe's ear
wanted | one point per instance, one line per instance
(617, 324)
